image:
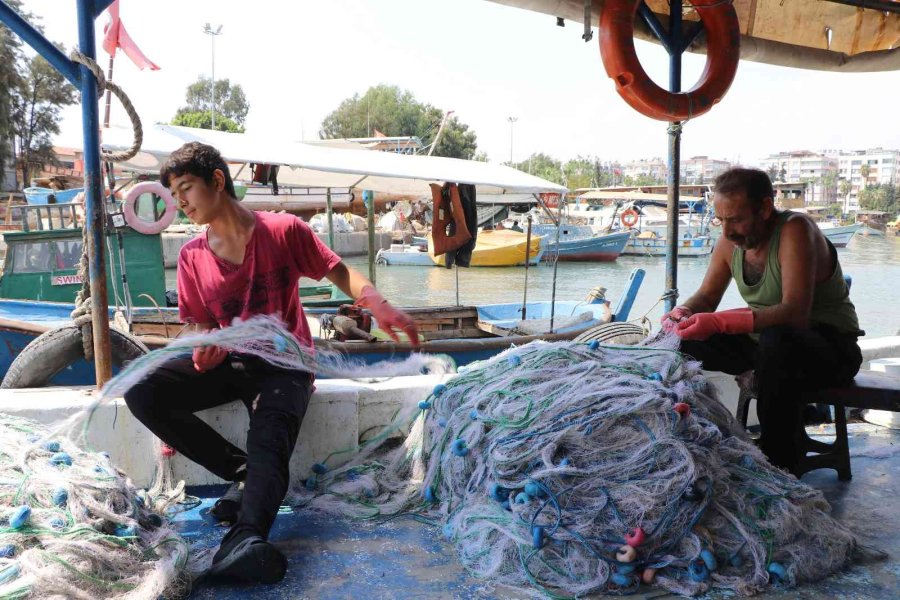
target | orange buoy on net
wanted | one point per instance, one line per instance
(723, 41)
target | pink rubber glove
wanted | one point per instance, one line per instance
(673, 317)
(704, 325)
(388, 317)
(208, 357)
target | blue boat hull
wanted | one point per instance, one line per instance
(601, 248)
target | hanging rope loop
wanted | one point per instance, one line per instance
(118, 92)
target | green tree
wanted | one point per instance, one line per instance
(10, 80)
(203, 120)
(480, 156)
(231, 103)
(544, 166)
(41, 93)
(844, 189)
(882, 196)
(580, 172)
(396, 112)
(772, 172)
(864, 171)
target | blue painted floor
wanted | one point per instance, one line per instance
(339, 559)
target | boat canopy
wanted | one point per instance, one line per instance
(850, 36)
(318, 165)
(632, 196)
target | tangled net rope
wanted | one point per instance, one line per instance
(576, 468)
(74, 526)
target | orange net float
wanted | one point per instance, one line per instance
(723, 43)
(629, 218)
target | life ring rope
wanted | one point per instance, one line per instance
(139, 224)
(617, 50)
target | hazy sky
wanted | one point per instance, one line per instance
(298, 60)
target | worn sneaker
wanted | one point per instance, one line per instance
(252, 560)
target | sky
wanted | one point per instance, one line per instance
(297, 61)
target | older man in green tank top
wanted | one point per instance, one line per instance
(799, 329)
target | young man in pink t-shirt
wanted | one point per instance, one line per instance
(247, 263)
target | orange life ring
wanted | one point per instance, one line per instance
(629, 218)
(723, 39)
(139, 224)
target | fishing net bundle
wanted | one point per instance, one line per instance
(74, 526)
(575, 468)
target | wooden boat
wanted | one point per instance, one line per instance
(839, 235)
(465, 333)
(498, 248)
(580, 243)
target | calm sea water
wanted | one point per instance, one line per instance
(873, 262)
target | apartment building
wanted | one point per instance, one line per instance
(652, 167)
(818, 171)
(702, 169)
(866, 167)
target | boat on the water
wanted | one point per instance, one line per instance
(42, 195)
(838, 235)
(580, 243)
(498, 248)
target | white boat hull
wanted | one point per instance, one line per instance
(840, 236)
(656, 246)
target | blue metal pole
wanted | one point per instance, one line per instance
(93, 187)
(675, 48)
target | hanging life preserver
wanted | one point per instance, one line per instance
(723, 43)
(629, 218)
(139, 224)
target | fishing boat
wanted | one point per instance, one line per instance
(42, 195)
(580, 243)
(406, 255)
(839, 235)
(498, 248)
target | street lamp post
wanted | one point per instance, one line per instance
(512, 121)
(207, 29)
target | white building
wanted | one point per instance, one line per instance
(702, 169)
(881, 165)
(817, 170)
(653, 167)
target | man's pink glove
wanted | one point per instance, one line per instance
(388, 317)
(671, 319)
(208, 357)
(704, 325)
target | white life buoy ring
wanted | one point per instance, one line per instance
(139, 224)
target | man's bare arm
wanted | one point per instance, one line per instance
(716, 280)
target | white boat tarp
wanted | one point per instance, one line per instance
(313, 165)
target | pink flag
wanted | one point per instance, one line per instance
(115, 36)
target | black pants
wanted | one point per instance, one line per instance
(788, 362)
(168, 398)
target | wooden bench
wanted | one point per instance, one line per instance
(869, 390)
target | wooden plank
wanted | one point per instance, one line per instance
(493, 329)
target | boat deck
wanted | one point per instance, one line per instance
(338, 559)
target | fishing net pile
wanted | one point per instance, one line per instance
(74, 526)
(574, 468)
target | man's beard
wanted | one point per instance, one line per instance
(746, 242)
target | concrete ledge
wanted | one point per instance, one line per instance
(339, 414)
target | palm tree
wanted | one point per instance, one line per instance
(864, 171)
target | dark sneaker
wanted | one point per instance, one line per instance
(227, 507)
(252, 560)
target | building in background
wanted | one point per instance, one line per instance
(818, 171)
(644, 171)
(866, 167)
(702, 169)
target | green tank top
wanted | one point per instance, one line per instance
(831, 298)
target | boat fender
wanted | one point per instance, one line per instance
(629, 218)
(52, 351)
(140, 225)
(723, 46)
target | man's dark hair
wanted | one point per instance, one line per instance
(197, 159)
(754, 182)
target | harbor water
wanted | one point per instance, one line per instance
(872, 262)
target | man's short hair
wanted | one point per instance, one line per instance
(755, 183)
(200, 160)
